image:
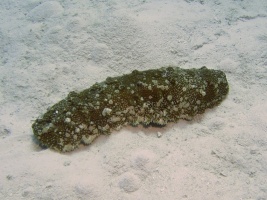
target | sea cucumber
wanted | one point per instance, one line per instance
(154, 96)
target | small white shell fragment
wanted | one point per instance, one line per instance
(159, 134)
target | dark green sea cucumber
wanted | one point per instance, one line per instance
(153, 96)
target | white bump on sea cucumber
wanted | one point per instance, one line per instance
(67, 120)
(106, 111)
(68, 147)
(169, 97)
(89, 139)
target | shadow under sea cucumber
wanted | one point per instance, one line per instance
(154, 96)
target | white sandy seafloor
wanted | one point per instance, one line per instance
(49, 48)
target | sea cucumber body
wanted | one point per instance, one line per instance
(153, 96)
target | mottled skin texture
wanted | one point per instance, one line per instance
(153, 96)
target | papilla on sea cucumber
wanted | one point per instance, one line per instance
(153, 96)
